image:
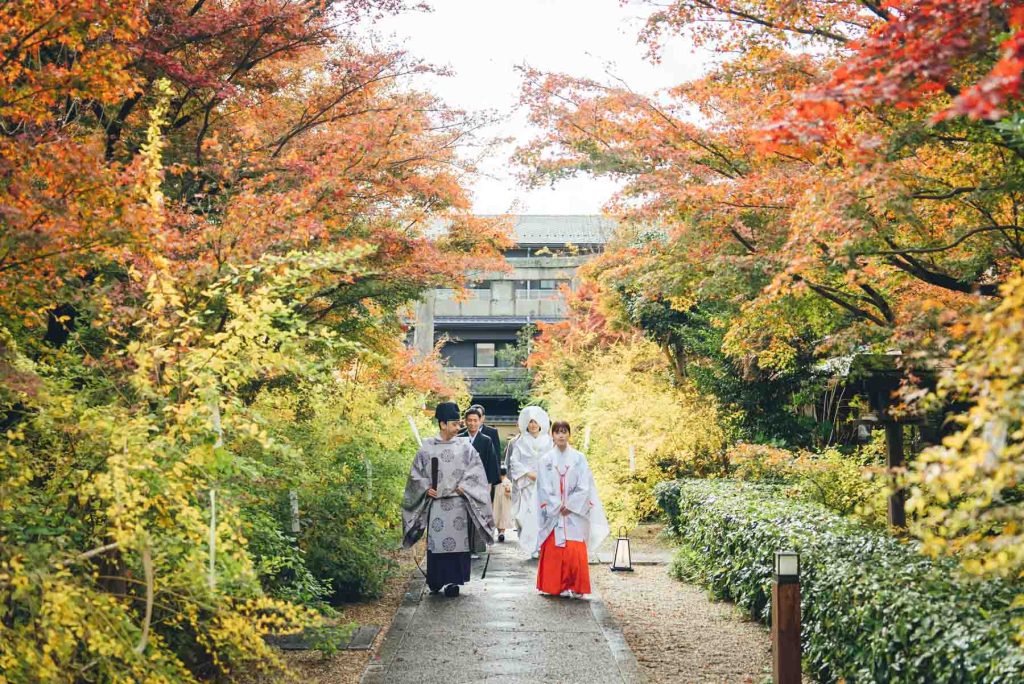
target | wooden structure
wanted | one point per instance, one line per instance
(786, 633)
(878, 377)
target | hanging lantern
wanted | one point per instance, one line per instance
(622, 560)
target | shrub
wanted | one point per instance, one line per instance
(761, 462)
(281, 565)
(346, 544)
(841, 483)
(687, 565)
(874, 608)
(844, 483)
(354, 445)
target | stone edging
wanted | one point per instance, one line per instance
(629, 669)
(379, 663)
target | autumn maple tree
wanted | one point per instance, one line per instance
(282, 131)
(887, 217)
(845, 178)
(214, 218)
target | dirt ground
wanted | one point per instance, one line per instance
(676, 633)
(346, 667)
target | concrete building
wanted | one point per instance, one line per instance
(477, 327)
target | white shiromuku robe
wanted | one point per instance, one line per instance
(525, 459)
(565, 477)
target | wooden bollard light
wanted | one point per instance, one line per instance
(786, 619)
(622, 560)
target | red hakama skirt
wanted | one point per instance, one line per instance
(563, 568)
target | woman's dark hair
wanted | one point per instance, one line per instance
(504, 471)
(473, 411)
(560, 426)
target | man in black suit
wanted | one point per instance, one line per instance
(488, 430)
(483, 444)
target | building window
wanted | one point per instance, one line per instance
(540, 284)
(539, 289)
(485, 354)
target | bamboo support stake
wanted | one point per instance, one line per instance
(215, 410)
(415, 431)
(147, 569)
(369, 478)
(293, 499)
(213, 539)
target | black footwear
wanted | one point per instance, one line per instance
(434, 590)
(501, 537)
(451, 591)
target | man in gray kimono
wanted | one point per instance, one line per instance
(447, 497)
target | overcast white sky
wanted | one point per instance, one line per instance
(483, 41)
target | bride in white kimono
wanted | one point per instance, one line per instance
(534, 442)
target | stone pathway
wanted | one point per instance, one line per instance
(500, 630)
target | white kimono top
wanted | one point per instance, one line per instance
(525, 459)
(564, 477)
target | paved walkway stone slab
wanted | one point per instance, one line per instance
(502, 631)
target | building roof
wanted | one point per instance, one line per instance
(491, 321)
(553, 229)
(578, 229)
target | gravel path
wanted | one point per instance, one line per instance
(676, 633)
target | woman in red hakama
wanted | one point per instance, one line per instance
(563, 568)
(571, 517)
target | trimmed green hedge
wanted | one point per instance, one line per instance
(874, 609)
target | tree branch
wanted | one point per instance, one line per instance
(761, 21)
(903, 251)
(750, 247)
(879, 301)
(86, 555)
(950, 194)
(876, 9)
(907, 263)
(855, 310)
(147, 569)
